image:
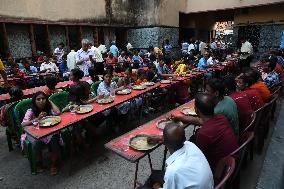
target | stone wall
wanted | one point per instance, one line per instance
(88, 34)
(57, 35)
(143, 37)
(269, 36)
(19, 41)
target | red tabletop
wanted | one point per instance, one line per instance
(121, 147)
(68, 119)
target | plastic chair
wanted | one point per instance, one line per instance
(95, 86)
(239, 154)
(262, 128)
(249, 126)
(20, 110)
(115, 79)
(12, 131)
(60, 99)
(223, 172)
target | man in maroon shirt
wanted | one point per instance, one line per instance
(215, 138)
(254, 97)
(241, 99)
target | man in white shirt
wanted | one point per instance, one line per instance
(187, 167)
(190, 46)
(71, 60)
(99, 65)
(85, 57)
(246, 53)
(202, 47)
(59, 53)
(48, 66)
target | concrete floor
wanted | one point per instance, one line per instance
(105, 170)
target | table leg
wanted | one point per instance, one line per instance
(136, 172)
(150, 162)
(164, 159)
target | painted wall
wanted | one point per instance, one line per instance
(53, 10)
(101, 12)
(271, 13)
(191, 6)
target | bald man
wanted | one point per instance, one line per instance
(187, 167)
(215, 138)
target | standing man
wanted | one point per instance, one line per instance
(113, 49)
(246, 53)
(71, 59)
(84, 57)
(99, 66)
(59, 52)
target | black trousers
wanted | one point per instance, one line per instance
(99, 66)
(156, 176)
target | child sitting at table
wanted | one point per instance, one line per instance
(127, 79)
(75, 75)
(105, 88)
(40, 108)
(51, 82)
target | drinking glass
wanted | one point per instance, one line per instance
(35, 123)
(112, 93)
(72, 109)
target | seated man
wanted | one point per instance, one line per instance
(241, 99)
(224, 104)
(258, 84)
(272, 77)
(187, 167)
(48, 66)
(215, 138)
(243, 83)
(205, 61)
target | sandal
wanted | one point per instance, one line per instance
(40, 169)
(53, 171)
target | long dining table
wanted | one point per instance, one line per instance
(68, 118)
(121, 147)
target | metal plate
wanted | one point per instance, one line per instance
(49, 121)
(188, 111)
(139, 142)
(83, 109)
(105, 100)
(162, 123)
(165, 81)
(124, 92)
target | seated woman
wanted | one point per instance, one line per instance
(75, 75)
(42, 107)
(51, 82)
